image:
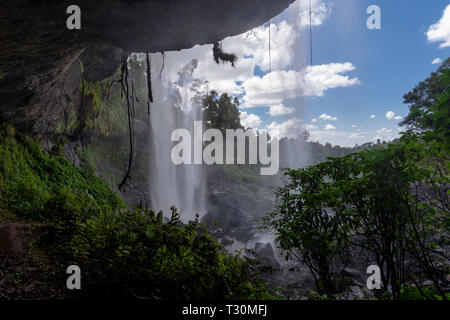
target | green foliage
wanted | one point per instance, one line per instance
(30, 177)
(435, 120)
(154, 259)
(123, 251)
(410, 292)
(314, 295)
(304, 226)
(422, 98)
(222, 111)
(391, 201)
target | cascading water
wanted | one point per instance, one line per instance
(176, 105)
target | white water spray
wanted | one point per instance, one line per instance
(176, 105)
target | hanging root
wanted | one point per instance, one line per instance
(162, 66)
(223, 56)
(130, 108)
(149, 84)
(149, 79)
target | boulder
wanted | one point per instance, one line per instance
(267, 255)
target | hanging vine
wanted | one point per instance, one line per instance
(149, 86)
(126, 81)
(162, 65)
(125, 91)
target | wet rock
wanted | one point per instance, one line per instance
(233, 222)
(267, 255)
(354, 293)
(227, 241)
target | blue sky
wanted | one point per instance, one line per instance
(357, 72)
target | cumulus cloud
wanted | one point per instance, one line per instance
(440, 31)
(348, 139)
(436, 61)
(384, 134)
(280, 110)
(273, 88)
(372, 116)
(308, 126)
(327, 117)
(390, 115)
(290, 128)
(319, 13)
(250, 120)
(252, 49)
(384, 130)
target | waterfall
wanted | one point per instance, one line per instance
(176, 105)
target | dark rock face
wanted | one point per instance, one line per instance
(101, 61)
(227, 220)
(267, 255)
(40, 55)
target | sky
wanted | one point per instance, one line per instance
(353, 92)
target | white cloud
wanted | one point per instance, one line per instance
(354, 126)
(390, 115)
(384, 130)
(372, 116)
(280, 110)
(319, 13)
(327, 117)
(293, 84)
(314, 120)
(252, 49)
(329, 127)
(436, 61)
(384, 134)
(440, 31)
(348, 139)
(250, 120)
(290, 128)
(308, 126)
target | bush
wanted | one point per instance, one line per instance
(123, 251)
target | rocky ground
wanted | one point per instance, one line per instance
(26, 269)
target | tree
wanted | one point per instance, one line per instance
(392, 201)
(305, 228)
(422, 98)
(222, 112)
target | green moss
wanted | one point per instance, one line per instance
(29, 177)
(9, 131)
